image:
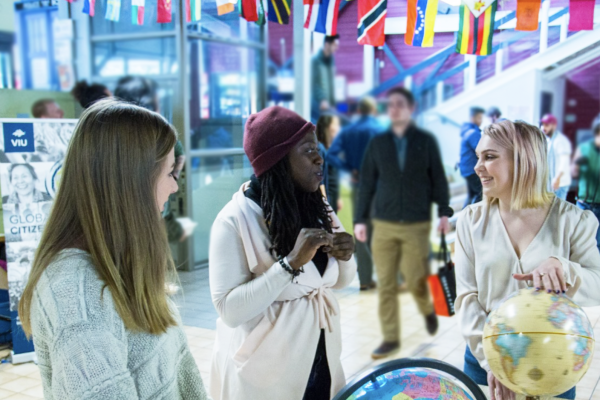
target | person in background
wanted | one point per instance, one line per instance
(276, 252)
(323, 78)
(494, 114)
(143, 92)
(559, 157)
(328, 128)
(23, 178)
(87, 94)
(403, 174)
(46, 108)
(586, 168)
(519, 234)
(470, 133)
(346, 153)
(97, 301)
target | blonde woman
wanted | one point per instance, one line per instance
(519, 236)
(96, 305)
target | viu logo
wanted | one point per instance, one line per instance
(19, 141)
(18, 137)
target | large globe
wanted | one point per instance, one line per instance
(538, 344)
(411, 384)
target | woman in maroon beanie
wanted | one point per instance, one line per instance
(276, 252)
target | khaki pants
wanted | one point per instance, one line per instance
(404, 247)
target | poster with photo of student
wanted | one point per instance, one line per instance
(25, 222)
(32, 152)
(35, 141)
(24, 183)
(19, 257)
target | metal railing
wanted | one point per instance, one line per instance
(439, 59)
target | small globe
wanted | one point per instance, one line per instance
(538, 344)
(411, 384)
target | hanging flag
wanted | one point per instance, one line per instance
(137, 11)
(321, 16)
(113, 10)
(194, 12)
(371, 22)
(88, 7)
(478, 7)
(581, 15)
(249, 10)
(225, 6)
(475, 34)
(279, 11)
(528, 12)
(420, 22)
(164, 11)
(262, 14)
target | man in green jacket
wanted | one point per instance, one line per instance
(323, 78)
(586, 168)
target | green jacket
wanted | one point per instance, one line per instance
(323, 75)
(589, 175)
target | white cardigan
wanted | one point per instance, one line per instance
(486, 260)
(269, 328)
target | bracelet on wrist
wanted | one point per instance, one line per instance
(286, 266)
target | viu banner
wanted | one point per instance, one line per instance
(32, 152)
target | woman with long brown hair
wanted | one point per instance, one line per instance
(96, 302)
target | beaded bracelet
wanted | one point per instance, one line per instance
(285, 265)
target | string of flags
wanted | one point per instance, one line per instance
(476, 18)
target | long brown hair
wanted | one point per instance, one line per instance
(323, 125)
(106, 205)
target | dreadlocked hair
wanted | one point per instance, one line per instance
(288, 210)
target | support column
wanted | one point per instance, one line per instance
(301, 63)
(184, 252)
(439, 93)
(471, 71)
(499, 60)
(369, 67)
(544, 17)
(564, 27)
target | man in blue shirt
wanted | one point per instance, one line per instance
(470, 135)
(346, 153)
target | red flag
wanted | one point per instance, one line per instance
(164, 11)
(188, 11)
(249, 10)
(527, 14)
(371, 22)
(581, 15)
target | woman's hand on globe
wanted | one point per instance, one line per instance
(549, 275)
(497, 390)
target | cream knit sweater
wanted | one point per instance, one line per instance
(85, 352)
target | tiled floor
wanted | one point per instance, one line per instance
(360, 334)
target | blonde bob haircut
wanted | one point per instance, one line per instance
(527, 144)
(106, 205)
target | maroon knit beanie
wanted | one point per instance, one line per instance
(271, 134)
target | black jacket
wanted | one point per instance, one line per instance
(403, 196)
